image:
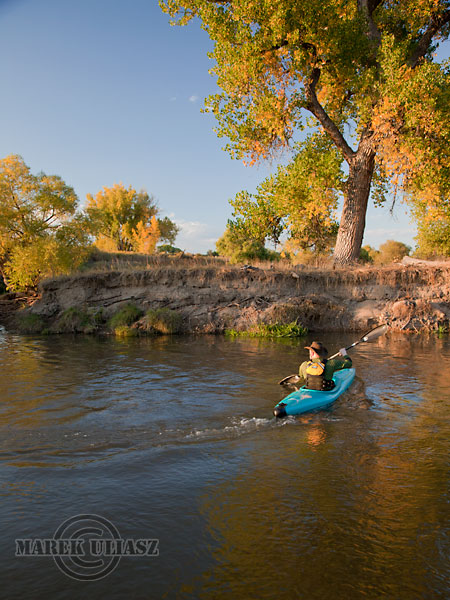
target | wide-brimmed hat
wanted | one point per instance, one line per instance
(319, 348)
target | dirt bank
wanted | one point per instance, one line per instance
(12, 304)
(212, 299)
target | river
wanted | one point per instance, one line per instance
(173, 439)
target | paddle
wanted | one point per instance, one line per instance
(367, 337)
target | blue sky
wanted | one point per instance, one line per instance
(106, 91)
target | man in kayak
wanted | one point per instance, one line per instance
(318, 371)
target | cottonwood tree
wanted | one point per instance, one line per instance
(236, 245)
(145, 237)
(126, 220)
(433, 229)
(256, 215)
(168, 230)
(299, 201)
(40, 232)
(363, 70)
(391, 251)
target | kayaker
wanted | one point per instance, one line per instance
(318, 371)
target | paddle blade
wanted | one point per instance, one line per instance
(289, 380)
(374, 333)
(367, 337)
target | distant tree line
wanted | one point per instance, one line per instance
(389, 252)
(44, 233)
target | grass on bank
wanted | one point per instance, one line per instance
(155, 321)
(72, 320)
(129, 321)
(164, 265)
(441, 330)
(164, 321)
(104, 262)
(30, 323)
(125, 317)
(271, 330)
(125, 331)
(77, 320)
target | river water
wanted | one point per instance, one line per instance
(173, 439)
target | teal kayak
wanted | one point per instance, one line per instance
(304, 400)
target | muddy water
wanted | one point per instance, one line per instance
(174, 440)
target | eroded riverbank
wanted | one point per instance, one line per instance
(211, 299)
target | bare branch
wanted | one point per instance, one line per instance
(318, 111)
(437, 22)
(52, 216)
(13, 229)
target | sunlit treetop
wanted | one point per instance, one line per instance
(362, 71)
(356, 63)
(31, 205)
(124, 219)
(41, 234)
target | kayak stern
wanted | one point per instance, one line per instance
(279, 411)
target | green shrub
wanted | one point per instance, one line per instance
(290, 330)
(271, 330)
(391, 251)
(76, 320)
(164, 320)
(30, 323)
(127, 315)
(239, 248)
(367, 254)
(125, 331)
(168, 249)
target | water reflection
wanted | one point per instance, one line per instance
(344, 515)
(175, 438)
(316, 436)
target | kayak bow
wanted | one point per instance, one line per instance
(305, 400)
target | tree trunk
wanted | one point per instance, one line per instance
(3, 279)
(353, 219)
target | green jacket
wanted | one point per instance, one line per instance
(332, 365)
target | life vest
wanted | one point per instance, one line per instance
(315, 376)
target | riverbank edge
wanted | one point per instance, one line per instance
(213, 299)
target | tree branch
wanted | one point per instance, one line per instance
(437, 22)
(367, 8)
(314, 106)
(373, 5)
(13, 229)
(52, 216)
(275, 47)
(283, 43)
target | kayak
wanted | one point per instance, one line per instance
(304, 400)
